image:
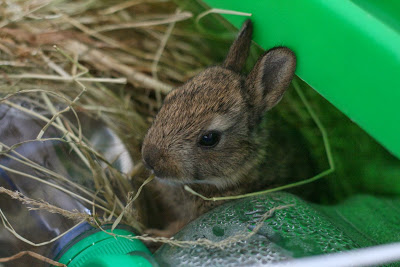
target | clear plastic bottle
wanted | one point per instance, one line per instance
(19, 170)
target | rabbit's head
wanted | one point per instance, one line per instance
(206, 130)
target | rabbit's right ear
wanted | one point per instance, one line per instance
(270, 77)
(239, 50)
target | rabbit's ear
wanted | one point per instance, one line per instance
(270, 77)
(239, 50)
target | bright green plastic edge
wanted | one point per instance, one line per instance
(118, 260)
(349, 51)
(99, 244)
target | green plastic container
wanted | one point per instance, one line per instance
(297, 231)
(347, 50)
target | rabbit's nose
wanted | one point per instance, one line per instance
(151, 156)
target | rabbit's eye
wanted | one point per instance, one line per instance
(209, 139)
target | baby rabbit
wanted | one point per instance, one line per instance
(212, 134)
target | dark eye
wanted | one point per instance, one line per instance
(210, 139)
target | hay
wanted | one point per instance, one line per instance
(111, 61)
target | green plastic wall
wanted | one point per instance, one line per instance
(349, 51)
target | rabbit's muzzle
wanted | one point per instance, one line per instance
(158, 161)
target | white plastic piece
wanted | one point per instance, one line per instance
(370, 256)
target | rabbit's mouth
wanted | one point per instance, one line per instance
(173, 181)
(165, 176)
(180, 181)
(169, 181)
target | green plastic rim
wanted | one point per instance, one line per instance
(102, 249)
(136, 260)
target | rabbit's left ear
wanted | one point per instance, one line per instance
(239, 50)
(270, 77)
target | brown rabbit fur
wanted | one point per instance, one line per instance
(212, 134)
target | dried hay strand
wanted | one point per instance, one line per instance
(34, 255)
